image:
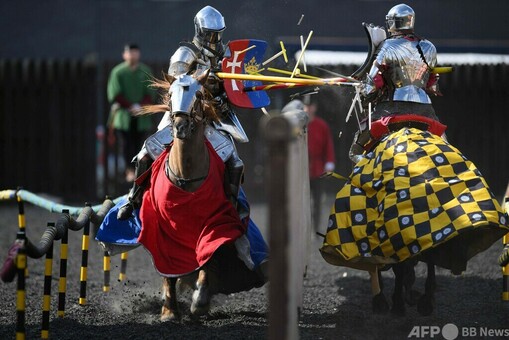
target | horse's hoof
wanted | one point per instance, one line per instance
(412, 297)
(398, 307)
(380, 304)
(425, 305)
(169, 315)
(201, 302)
(125, 211)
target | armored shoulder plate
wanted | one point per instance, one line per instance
(429, 52)
(376, 35)
(183, 60)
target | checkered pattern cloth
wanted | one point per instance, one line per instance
(412, 192)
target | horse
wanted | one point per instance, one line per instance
(189, 165)
(404, 292)
(412, 197)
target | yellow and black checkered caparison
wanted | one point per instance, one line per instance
(412, 192)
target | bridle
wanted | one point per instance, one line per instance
(195, 111)
(193, 116)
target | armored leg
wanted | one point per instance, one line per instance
(235, 169)
(136, 193)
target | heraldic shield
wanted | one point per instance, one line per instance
(246, 57)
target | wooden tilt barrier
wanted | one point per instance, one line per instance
(289, 220)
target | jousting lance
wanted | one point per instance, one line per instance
(276, 79)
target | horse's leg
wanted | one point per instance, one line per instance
(426, 302)
(398, 302)
(201, 296)
(379, 302)
(170, 309)
(411, 295)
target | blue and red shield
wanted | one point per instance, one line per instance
(245, 61)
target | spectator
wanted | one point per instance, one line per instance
(127, 91)
(321, 157)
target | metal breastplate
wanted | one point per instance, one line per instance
(408, 69)
(158, 142)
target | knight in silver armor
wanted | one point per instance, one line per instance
(401, 79)
(205, 52)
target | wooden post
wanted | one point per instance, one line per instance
(289, 220)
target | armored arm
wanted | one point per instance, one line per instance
(429, 53)
(183, 60)
(374, 81)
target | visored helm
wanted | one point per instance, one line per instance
(209, 26)
(401, 18)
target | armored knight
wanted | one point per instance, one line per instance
(400, 77)
(204, 52)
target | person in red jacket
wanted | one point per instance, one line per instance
(321, 157)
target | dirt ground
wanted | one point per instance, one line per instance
(337, 302)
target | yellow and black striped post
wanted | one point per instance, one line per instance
(22, 225)
(123, 266)
(46, 300)
(107, 268)
(62, 283)
(21, 261)
(84, 263)
(505, 272)
(505, 269)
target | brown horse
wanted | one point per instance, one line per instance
(187, 166)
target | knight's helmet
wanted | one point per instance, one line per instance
(400, 19)
(209, 26)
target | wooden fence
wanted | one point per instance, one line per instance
(47, 126)
(49, 114)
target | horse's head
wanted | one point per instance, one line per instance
(190, 105)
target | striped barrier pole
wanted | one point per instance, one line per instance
(22, 224)
(62, 283)
(505, 269)
(21, 265)
(107, 268)
(84, 263)
(46, 302)
(21, 261)
(505, 272)
(123, 266)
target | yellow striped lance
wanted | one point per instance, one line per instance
(442, 69)
(288, 73)
(276, 79)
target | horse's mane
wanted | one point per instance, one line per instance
(164, 85)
